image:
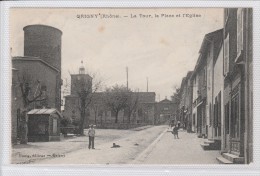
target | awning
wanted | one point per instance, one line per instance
(44, 111)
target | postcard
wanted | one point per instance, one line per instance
(161, 86)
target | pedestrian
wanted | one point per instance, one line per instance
(175, 132)
(91, 135)
(172, 123)
(179, 124)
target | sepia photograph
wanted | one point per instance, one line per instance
(139, 86)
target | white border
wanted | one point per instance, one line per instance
(5, 122)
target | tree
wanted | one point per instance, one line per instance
(31, 91)
(85, 90)
(116, 99)
(97, 105)
(131, 104)
(176, 97)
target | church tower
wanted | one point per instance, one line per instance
(81, 69)
(81, 81)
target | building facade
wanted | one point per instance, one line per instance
(15, 103)
(40, 75)
(194, 84)
(202, 84)
(213, 44)
(141, 111)
(166, 111)
(185, 104)
(36, 76)
(247, 23)
(238, 84)
(217, 124)
(234, 85)
(222, 89)
(199, 78)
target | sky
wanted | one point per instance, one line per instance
(162, 49)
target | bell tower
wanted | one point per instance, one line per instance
(81, 81)
(82, 69)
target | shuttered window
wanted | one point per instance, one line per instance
(227, 118)
(235, 117)
(219, 113)
(239, 30)
(226, 55)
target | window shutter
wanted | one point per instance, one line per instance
(219, 109)
(239, 30)
(226, 55)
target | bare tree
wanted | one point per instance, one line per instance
(97, 105)
(116, 99)
(85, 90)
(132, 104)
(31, 91)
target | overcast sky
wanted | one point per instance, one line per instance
(162, 49)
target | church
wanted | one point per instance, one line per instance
(96, 110)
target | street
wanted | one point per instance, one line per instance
(153, 145)
(185, 150)
(131, 145)
(35, 151)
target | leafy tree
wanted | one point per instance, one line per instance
(176, 97)
(65, 122)
(116, 99)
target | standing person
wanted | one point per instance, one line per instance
(91, 135)
(179, 124)
(172, 123)
(175, 132)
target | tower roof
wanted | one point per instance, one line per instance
(82, 68)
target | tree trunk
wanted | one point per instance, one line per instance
(129, 115)
(129, 118)
(83, 115)
(101, 119)
(24, 129)
(116, 117)
(95, 117)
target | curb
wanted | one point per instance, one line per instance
(149, 149)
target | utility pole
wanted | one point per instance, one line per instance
(147, 84)
(127, 78)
